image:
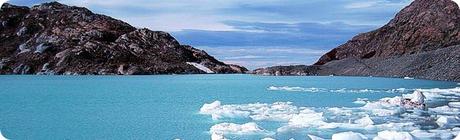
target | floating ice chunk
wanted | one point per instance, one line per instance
(217, 111)
(365, 121)
(406, 126)
(385, 107)
(313, 137)
(408, 78)
(2, 137)
(279, 111)
(445, 110)
(200, 67)
(340, 111)
(349, 136)
(418, 97)
(422, 134)
(454, 104)
(307, 119)
(209, 108)
(218, 136)
(457, 137)
(445, 121)
(298, 89)
(238, 129)
(393, 135)
(267, 139)
(361, 101)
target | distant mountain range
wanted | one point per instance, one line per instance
(54, 38)
(422, 41)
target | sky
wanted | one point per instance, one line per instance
(252, 33)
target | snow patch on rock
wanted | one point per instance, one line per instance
(200, 67)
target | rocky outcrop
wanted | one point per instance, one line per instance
(53, 38)
(421, 41)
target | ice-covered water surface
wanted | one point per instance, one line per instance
(169, 106)
(424, 114)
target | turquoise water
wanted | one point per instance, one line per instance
(163, 107)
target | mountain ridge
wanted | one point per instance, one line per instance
(421, 42)
(53, 38)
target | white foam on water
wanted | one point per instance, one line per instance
(349, 136)
(398, 116)
(200, 67)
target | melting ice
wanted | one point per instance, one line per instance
(424, 114)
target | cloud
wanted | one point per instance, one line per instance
(319, 35)
(376, 4)
(366, 4)
(2, 1)
(180, 15)
(457, 1)
(254, 57)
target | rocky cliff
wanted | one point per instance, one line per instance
(53, 38)
(421, 41)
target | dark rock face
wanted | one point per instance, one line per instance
(53, 38)
(421, 41)
(424, 25)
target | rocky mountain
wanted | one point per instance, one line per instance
(422, 41)
(54, 38)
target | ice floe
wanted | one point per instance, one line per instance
(237, 129)
(454, 104)
(200, 67)
(446, 121)
(280, 111)
(349, 136)
(423, 114)
(341, 90)
(313, 137)
(2, 137)
(361, 101)
(393, 135)
(218, 136)
(408, 78)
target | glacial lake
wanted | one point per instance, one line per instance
(186, 107)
